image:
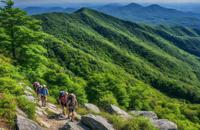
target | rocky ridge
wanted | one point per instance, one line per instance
(87, 122)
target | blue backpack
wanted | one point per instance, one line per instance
(44, 91)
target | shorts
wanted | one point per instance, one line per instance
(71, 109)
(64, 104)
(43, 97)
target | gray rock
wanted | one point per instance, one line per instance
(40, 112)
(75, 126)
(149, 114)
(20, 112)
(30, 98)
(26, 124)
(92, 107)
(116, 110)
(95, 122)
(164, 124)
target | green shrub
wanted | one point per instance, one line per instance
(106, 100)
(8, 108)
(139, 123)
(27, 106)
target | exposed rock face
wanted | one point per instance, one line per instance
(92, 107)
(75, 126)
(164, 124)
(51, 107)
(116, 110)
(96, 122)
(29, 94)
(149, 114)
(24, 123)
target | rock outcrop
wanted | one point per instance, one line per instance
(116, 110)
(92, 107)
(24, 123)
(148, 114)
(29, 94)
(75, 126)
(96, 122)
(164, 124)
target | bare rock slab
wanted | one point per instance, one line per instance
(164, 124)
(92, 107)
(116, 110)
(95, 122)
(75, 126)
(26, 124)
(148, 114)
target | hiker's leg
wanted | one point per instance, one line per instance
(63, 109)
(45, 101)
(69, 112)
(41, 100)
(72, 119)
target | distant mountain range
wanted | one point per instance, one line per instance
(40, 10)
(152, 14)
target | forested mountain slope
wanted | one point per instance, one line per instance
(141, 67)
(150, 54)
(102, 60)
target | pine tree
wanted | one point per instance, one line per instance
(15, 24)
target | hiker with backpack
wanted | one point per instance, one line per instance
(36, 86)
(44, 93)
(71, 104)
(63, 101)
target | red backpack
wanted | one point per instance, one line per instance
(63, 97)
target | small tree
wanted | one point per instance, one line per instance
(11, 21)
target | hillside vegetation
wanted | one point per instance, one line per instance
(102, 60)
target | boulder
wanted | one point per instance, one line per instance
(92, 107)
(20, 112)
(149, 114)
(24, 123)
(116, 110)
(75, 126)
(164, 124)
(95, 122)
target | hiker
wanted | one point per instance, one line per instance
(71, 104)
(63, 101)
(44, 93)
(37, 87)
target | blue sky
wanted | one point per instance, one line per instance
(103, 1)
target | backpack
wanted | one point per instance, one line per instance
(71, 100)
(63, 97)
(44, 91)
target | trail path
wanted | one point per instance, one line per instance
(49, 117)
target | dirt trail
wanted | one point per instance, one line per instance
(51, 118)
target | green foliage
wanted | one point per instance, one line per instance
(27, 106)
(139, 123)
(102, 60)
(7, 108)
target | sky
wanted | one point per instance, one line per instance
(102, 1)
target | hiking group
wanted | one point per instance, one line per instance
(67, 101)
